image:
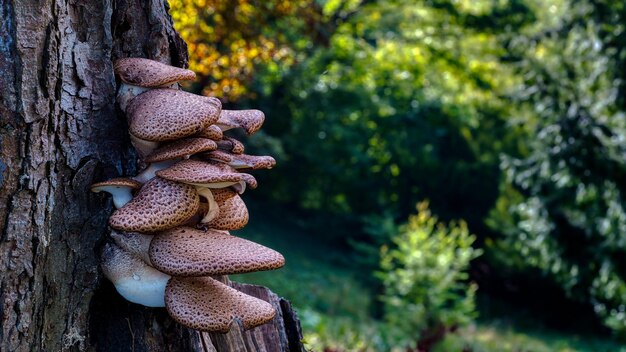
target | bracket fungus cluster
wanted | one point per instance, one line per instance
(170, 229)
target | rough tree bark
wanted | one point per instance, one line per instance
(59, 132)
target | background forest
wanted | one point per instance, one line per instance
(451, 173)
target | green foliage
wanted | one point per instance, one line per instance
(563, 209)
(425, 276)
(402, 101)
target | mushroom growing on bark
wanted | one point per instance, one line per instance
(206, 174)
(155, 260)
(185, 251)
(205, 304)
(230, 144)
(233, 213)
(121, 189)
(250, 120)
(133, 279)
(159, 205)
(180, 149)
(138, 75)
(241, 161)
(212, 132)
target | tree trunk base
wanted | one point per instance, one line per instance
(118, 325)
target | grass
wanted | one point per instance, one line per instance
(316, 276)
(494, 336)
(335, 304)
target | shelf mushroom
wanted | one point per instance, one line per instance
(209, 175)
(168, 154)
(160, 115)
(159, 205)
(139, 74)
(241, 161)
(171, 130)
(232, 214)
(250, 120)
(181, 149)
(230, 144)
(185, 251)
(134, 243)
(136, 281)
(205, 304)
(120, 188)
(212, 132)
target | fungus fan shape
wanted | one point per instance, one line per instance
(170, 229)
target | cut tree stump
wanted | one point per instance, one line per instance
(60, 131)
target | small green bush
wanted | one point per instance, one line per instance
(424, 275)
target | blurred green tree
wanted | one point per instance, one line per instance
(403, 104)
(563, 205)
(424, 274)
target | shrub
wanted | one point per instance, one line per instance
(425, 280)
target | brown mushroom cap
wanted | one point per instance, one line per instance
(200, 173)
(250, 120)
(149, 73)
(212, 132)
(230, 144)
(115, 182)
(185, 251)
(168, 114)
(159, 205)
(242, 161)
(233, 213)
(120, 188)
(134, 243)
(205, 304)
(181, 148)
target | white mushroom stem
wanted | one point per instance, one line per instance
(121, 194)
(135, 243)
(133, 279)
(240, 187)
(126, 93)
(149, 172)
(144, 147)
(214, 209)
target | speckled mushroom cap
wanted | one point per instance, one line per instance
(250, 120)
(205, 304)
(212, 132)
(134, 243)
(159, 205)
(185, 251)
(242, 161)
(181, 148)
(230, 144)
(149, 73)
(168, 114)
(200, 173)
(233, 213)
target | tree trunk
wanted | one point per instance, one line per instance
(59, 133)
